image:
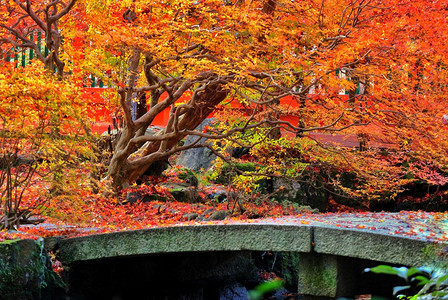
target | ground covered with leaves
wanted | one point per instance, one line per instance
(85, 212)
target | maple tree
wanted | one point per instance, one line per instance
(208, 52)
(270, 73)
(41, 135)
(44, 129)
(35, 25)
(367, 68)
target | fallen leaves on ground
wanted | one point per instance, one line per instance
(87, 214)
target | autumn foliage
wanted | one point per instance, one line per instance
(276, 76)
(362, 68)
(41, 137)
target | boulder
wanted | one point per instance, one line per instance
(218, 215)
(213, 215)
(302, 193)
(196, 159)
(183, 192)
(135, 196)
(190, 216)
(19, 160)
(188, 177)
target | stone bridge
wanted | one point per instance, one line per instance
(328, 248)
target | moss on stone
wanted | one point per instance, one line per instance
(25, 270)
(8, 242)
(318, 275)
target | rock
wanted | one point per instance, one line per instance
(288, 189)
(234, 291)
(205, 214)
(26, 160)
(218, 215)
(18, 160)
(156, 168)
(186, 195)
(192, 181)
(219, 197)
(301, 193)
(152, 130)
(135, 196)
(183, 193)
(208, 211)
(227, 171)
(25, 271)
(189, 177)
(190, 216)
(197, 158)
(157, 206)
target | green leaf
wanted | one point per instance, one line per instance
(422, 280)
(441, 280)
(412, 271)
(440, 294)
(383, 269)
(264, 288)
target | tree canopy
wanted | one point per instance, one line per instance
(271, 72)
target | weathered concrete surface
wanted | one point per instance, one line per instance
(318, 275)
(369, 245)
(25, 271)
(333, 249)
(366, 244)
(21, 269)
(375, 245)
(186, 239)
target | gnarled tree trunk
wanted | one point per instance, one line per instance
(124, 170)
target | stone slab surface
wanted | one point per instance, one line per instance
(386, 237)
(369, 245)
(430, 227)
(186, 239)
(318, 275)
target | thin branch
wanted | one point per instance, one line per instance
(63, 12)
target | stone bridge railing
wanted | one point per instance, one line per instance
(327, 253)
